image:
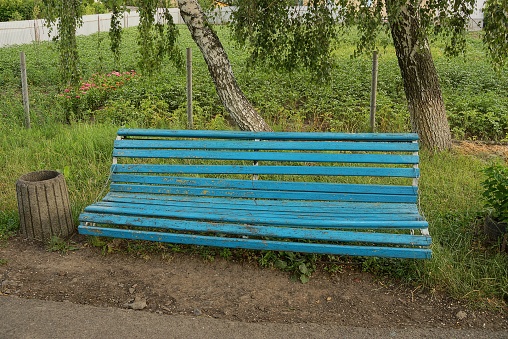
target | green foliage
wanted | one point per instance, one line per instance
(495, 17)
(57, 244)
(284, 37)
(11, 10)
(82, 102)
(276, 33)
(94, 7)
(157, 38)
(9, 223)
(451, 200)
(67, 15)
(496, 191)
(476, 97)
(100, 243)
(301, 265)
(395, 269)
(115, 30)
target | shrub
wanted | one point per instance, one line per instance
(16, 10)
(95, 8)
(496, 191)
(91, 95)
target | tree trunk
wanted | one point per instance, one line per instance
(240, 109)
(421, 83)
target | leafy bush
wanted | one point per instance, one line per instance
(479, 116)
(496, 191)
(95, 8)
(17, 10)
(91, 95)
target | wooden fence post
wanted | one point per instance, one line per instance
(24, 88)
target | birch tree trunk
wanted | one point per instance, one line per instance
(240, 109)
(421, 83)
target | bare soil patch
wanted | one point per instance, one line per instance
(190, 285)
(482, 149)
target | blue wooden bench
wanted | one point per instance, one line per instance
(328, 193)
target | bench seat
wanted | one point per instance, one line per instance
(258, 190)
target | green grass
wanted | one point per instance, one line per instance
(451, 200)
(81, 151)
(476, 99)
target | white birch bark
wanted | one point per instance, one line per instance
(238, 106)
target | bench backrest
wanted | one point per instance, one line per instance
(359, 167)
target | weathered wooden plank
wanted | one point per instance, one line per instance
(311, 211)
(268, 170)
(268, 145)
(277, 205)
(267, 205)
(265, 185)
(258, 231)
(269, 156)
(258, 218)
(390, 137)
(395, 252)
(261, 194)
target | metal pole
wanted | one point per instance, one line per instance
(189, 89)
(373, 92)
(24, 87)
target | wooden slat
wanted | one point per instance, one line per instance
(258, 231)
(297, 206)
(269, 156)
(258, 218)
(261, 194)
(395, 252)
(264, 185)
(310, 210)
(268, 145)
(268, 170)
(258, 215)
(389, 137)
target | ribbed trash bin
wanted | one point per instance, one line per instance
(43, 205)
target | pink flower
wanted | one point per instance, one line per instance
(67, 90)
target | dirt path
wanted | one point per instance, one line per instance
(188, 285)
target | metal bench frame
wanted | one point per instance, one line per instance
(327, 193)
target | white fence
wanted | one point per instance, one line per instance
(24, 32)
